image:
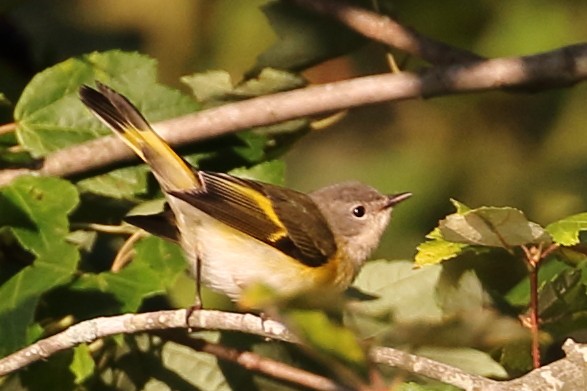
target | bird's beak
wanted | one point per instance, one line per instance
(394, 199)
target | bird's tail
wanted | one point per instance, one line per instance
(114, 110)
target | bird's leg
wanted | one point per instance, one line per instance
(198, 304)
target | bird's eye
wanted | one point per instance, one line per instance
(359, 211)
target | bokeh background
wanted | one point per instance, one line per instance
(523, 150)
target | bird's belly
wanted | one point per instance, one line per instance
(231, 260)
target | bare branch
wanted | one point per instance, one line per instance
(386, 30)
(91, 330)
(557, 68)
(567, 371)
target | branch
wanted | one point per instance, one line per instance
(257, 363)
(558, 68)
(566, 372)
(386, 30)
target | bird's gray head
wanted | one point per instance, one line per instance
(357, 215)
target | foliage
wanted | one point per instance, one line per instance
(56, 269)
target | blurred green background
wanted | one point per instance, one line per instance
(526, 151)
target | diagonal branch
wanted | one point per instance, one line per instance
(390, 32)
(558, 68)
(255, 362)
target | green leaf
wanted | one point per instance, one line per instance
(216, 86)
(405, 292)
(566, 231)
(428, 306)
(50, 115)
(209, 86)
(270, 81)
(492, 226)
(163, 258)
(469, 360)
(156, 266)
(35, 211)
(519, 295)
(129, 286)
(461, 293)
(253, 145)
(82, 365)
(120, 183)
(54, 371)
(327, 337)
(459, 206)
(270, 172)
(199, 369)
(437, 249)
(516, 358)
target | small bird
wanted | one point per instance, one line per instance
(236, 232)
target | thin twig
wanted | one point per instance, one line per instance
(7, 128)
(386, 30)
(557, 68)
(125, 253)
(105, 228)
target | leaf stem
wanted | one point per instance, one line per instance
(534, 317)
(534, 256)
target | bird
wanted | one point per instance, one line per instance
(236, 232)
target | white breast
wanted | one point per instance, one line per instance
(231, 260)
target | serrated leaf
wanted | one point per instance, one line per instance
(437, 249)
(35, 211)
(459, 206)
(269, 81)
(82, 365)
(50, 115)
(129, 287)
(120, 183)
(566, 231)
(564, 294)
(492, 226)
(209, 86)
(163, 257)
(253, 148)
